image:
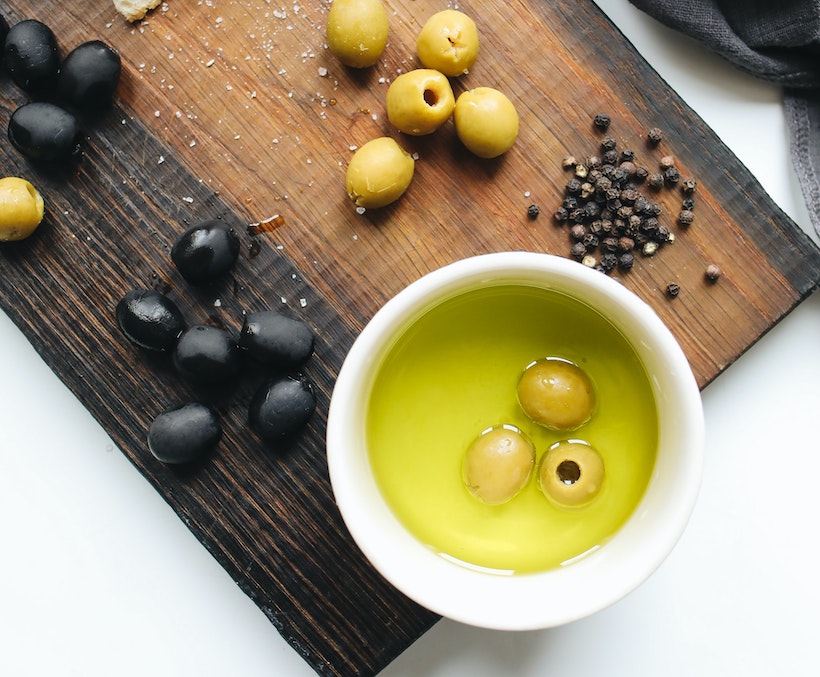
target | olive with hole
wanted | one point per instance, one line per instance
(206, 355)
(276, 339)
(44, 132)
(184, 433)
(150, 319)
(206, 251)
(571, 473)
(281, 407)
(89, 76)
(32, 56)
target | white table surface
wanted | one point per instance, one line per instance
(99, 577)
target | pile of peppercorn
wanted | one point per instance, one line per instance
(609, 205)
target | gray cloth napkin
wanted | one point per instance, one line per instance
(777, 40)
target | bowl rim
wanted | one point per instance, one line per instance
(590, 582)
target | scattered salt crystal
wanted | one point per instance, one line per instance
(526, 193)
(218, 303)
(352, 147)
(161, 159)
(303, 302)
(360, 210)
(192, 144)
(188, 199)
(322, 72)
(284, 300)
(210, 63)
(156, 113)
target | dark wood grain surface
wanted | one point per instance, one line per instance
(235, 110)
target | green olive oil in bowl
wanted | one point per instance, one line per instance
(453, 373)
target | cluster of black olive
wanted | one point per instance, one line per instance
(82, 85)
(209, 356)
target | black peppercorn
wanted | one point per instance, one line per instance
(712, 272)
(570, 202)
(672, 290)
(654, 136)
(608, 143)
(602, 121)
(688, 203)
(533, 211)
(573, 186)
(671, 175)
(577, 232)
(641, 173)
(610, 157)
(667, 161)
(561, 214)
(626, 261)
(627, 155)
(655, 181)
(686, 217)
(626, 244)
(608, 261)
(568, 162)
(689, 185)
(590, 241)
(578, 250)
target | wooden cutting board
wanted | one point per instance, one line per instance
(234, 109)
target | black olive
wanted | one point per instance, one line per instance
(206, 355)
(281, 407)
(89, 77)
(44, 132)
(276, 339)
(184, 433)
(32, 57)
(150, 319)
(205, 251)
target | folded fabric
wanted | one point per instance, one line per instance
(777, 41)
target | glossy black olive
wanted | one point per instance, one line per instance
(44, 132)
(150, 319)
(31, 55)
(206, 355)
(281, 407)
(89, 76)
(184, 433)
(205, 251)
(276, 339)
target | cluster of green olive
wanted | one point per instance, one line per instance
(419, 101)
(559, 395)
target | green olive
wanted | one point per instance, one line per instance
(486, 122)
(498, 464)
(21, 208)
(571, 473)
(448, 42)
(379, 172)
(357, 31)
(556, 393)
(419, 101)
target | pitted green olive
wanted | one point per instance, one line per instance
(498, 464)
(379, 172)
(420, 101)
(556, 393)
(486, 122)
(357, 31)
(448, 42)
(571, 473)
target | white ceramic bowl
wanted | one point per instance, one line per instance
(571, 591)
